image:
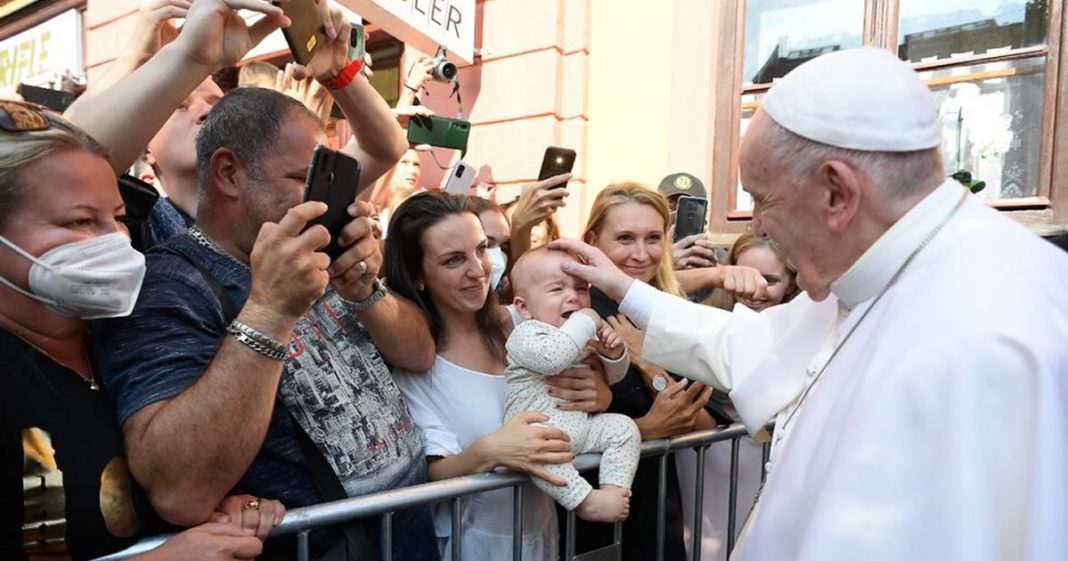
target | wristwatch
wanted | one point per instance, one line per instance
(660, 383)
(378, 293)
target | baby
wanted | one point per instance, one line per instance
(560, 329)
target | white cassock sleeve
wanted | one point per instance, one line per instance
(680, 336)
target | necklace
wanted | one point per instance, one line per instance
(893, 280)
(209, 243)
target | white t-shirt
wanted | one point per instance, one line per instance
(454, 407)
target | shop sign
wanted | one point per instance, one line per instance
(38, 56)
(424, 24)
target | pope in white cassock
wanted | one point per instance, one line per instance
(920, 388)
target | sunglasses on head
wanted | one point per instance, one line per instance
(17, 116)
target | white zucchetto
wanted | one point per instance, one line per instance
(861, 99)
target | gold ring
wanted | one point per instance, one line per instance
(253, 504)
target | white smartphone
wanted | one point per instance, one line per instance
(460, 178)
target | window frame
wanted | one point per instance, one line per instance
(1047, 212)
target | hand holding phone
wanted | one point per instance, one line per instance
(333, 178)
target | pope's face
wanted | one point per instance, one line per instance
(783, 211)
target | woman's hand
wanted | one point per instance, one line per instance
(693, 251)
(676, 410)
(249, 512)
(633, 337)
(582, 388)
(214, 541)
(522, 445)
(538, 201)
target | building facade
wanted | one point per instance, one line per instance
(642, 89)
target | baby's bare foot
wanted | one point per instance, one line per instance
(610, 504)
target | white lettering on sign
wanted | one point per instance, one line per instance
(425, 24)
(39, 55)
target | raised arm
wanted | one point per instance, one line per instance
(128, 114)
(378, 141)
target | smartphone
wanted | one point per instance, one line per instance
(555, 162)
(306, 32)
(690, 216)
(438, 131)
(332, 179)
(56, 100)
(460, 178)
(357, 48)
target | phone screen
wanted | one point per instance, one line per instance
(332, 178)
(556, 161)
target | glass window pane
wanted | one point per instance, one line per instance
(992, 123)
(782, 34)
(750, 102)
(949, 29)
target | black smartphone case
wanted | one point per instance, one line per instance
(332, 179)
(556, 161)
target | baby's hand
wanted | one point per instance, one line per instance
(608, 342)
(588, 312)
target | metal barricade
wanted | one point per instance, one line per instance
(301, 521)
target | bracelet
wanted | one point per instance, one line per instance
(257, 341)
(378, 292)
(345, 77)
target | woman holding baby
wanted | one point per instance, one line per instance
(436, 255)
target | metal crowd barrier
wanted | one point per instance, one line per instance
(301, 521)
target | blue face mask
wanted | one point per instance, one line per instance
(500, 263)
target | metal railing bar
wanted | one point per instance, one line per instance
(569, 544)
(698, 503)
(376, 504)
(303, 553)
(387, 536)
(457, 530)
(517, 523)
(732, 501)
(661, 514)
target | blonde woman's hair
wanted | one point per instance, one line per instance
(19, 150)
(616, 194)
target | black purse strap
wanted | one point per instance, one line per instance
(359, 546)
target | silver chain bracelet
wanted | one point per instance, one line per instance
(257, 341)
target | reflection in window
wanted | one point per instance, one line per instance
(992, 123)
(949, 29)
(780, 35)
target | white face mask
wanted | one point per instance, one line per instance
(500, 263)
(99, 277)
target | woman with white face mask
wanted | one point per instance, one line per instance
(65, 257)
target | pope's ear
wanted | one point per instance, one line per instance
(841, 191)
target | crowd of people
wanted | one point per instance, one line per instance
(226, 369)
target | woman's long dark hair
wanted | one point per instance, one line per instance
(404, 264)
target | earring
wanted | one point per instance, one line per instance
(420, 286)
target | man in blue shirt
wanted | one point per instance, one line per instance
(209, 401)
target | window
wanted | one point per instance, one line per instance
(992, 66)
